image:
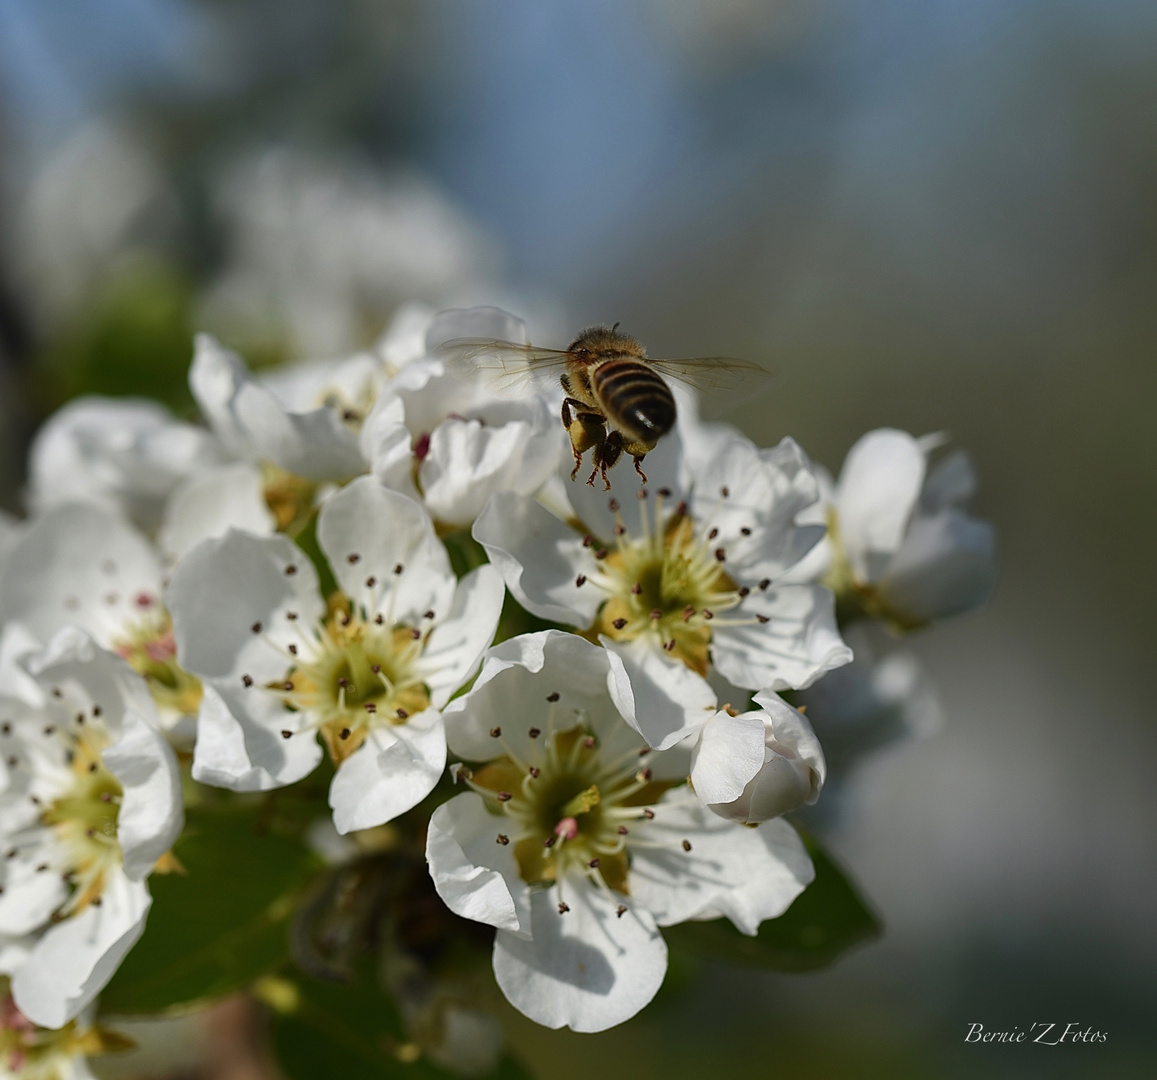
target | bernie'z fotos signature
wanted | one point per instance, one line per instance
(1042, 1033)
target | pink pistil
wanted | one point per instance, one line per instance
(567, 828)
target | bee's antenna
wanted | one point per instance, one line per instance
(615, 327)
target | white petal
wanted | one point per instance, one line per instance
(878, 488)
(793, 649)
(124, 454)
(367, 530)
(82, 565)
(728, 754)
(476, 323)
(540, 558)
(947, 565)
(225, 587)
(662, 699)
(75, 959)
(387, 444)
(469, 459)
(208, 506)
(152, 812)
(476, 876)
(746, 874)
(254, 424)
(30, 895)
(950, 483)
(240, 747)
(767, 492)
(390, 773)
(404, 340)
(455, 646)
(513, 691)
(588, 969)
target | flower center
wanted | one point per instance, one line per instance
(568, 807)
(855, 597)
(151, 650)
(36, 1053)
(668, 583)
(290, 498)
(353, 675)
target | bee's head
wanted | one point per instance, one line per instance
(599, 343)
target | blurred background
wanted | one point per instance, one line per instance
(928, 214)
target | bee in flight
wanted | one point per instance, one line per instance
(617, 400)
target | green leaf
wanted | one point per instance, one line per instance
(827, 919)
(215, 928)
(351, 1030)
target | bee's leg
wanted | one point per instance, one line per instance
(586, 429)
(607, 455)
(638, 459)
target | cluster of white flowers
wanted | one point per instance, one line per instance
(255, 594)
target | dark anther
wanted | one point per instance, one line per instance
(290, 570)
(502, 839)
(621, 910)
(763, 618)
(534, 733)
(744, 591)
(602, 553)
(649, 814)
(563, 908)
(256, 628)
(416, 634)
(665, 492)
(286, 734)
(371, 581)
(96, 710)
(620, 529)
(614, 505)
(618, 624)
(534, 771)
(669, 645)
(580, 581)
(764, 584)
(636, 589)
(291, 616)
(292, 649)
(642, 493)
(720, 554)
(550, 841)
(552, 696)
(402, 714)
(353, 558)
(427, 614)
(593, 864)
(588, 540)
(287, 685)
(342, 681)
(688, 611)
(504, 796)
(745, 531)
(708, 614)
(644, 774)
(50, 730)
(724, 492)
(589, 742)
(398, 568)
(370, 707)
(686, 845)
(344, 733)
(379, 619)
(495, 732)
(681, 510)
(712, 534)
(656, 614)
(623, 830)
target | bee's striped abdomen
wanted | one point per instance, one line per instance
(635, 398)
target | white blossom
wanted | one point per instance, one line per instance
(80, 565)
(369, 673)
(679, 581)
(451, 442)
(759, 764)
(900, 545)
(577, 846)
(90, 799)
(127, 455)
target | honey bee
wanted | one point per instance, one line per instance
(617, 400)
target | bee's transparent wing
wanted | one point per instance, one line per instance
(723, 380)
(507, 368)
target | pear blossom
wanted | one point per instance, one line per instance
(681, 580)
(90, 800)
(759, 764)
(304, 420)
(451, 442)
(124, 454)
(900, 546)
(574, 843)
(369, 670)
(80, 565)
